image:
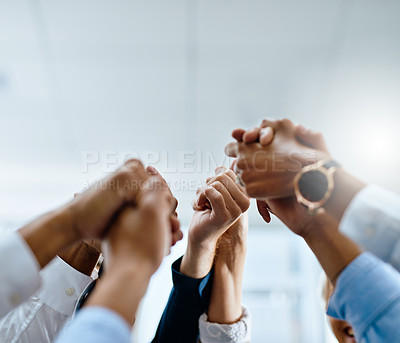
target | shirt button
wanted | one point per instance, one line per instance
(69, 291)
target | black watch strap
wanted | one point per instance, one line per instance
(331, 163)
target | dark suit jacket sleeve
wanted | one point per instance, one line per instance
(188, 300)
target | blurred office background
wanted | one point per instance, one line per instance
(83, 84)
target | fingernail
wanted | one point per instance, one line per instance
(151, 170)
(220, 170)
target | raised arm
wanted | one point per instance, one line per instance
(227, 319)
(137, 244)
(87, 216)
(368, 214)
(367, 304)
(217, 207)
(271, 155)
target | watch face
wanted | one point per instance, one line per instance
(313, 185)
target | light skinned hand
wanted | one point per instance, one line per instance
(176, 232)
(218, 205)
(143, 232)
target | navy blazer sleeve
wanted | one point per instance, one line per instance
(188, 300)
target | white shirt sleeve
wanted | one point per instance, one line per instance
(19, 272)
(372, 220)
(223, 333)
(42, 317)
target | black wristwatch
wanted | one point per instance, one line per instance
(313, 185)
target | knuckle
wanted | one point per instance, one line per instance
(230, 173)
(210, 180)
(265, 123)
(236, 212)
(217, 196)
(245, 204)
(217, 185)
(222, 178)
(319, 135)
(287, 123)
(134, 164)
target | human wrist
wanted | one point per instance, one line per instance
(229, 265)
(333, 250)
(53, 227)
(82, 257)
(345, 189)
(226, 297)
(122, 288)
(231, 256)
(198, 259)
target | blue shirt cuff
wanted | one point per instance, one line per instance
(188, 300)
(186, 285)
(365, 290)
(96, 325)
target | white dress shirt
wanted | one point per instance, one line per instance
(19, 272)
(372, 220)
(40, 318)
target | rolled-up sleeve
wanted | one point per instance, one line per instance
(96, 325)
(367, 295)
(19, 272)
(239, 332)
(372, 220)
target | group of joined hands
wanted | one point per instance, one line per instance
(133, 212)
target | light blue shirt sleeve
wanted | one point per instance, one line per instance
(96, 325)
(367, 295)
(372, 220)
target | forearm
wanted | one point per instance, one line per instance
(49, 235)
(81, 256)
(226, 297)
(333, 250)
(198, 259)
(188, 300)
(122, 288)
(346, 188)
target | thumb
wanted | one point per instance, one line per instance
(310, 138)
(263, 210)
